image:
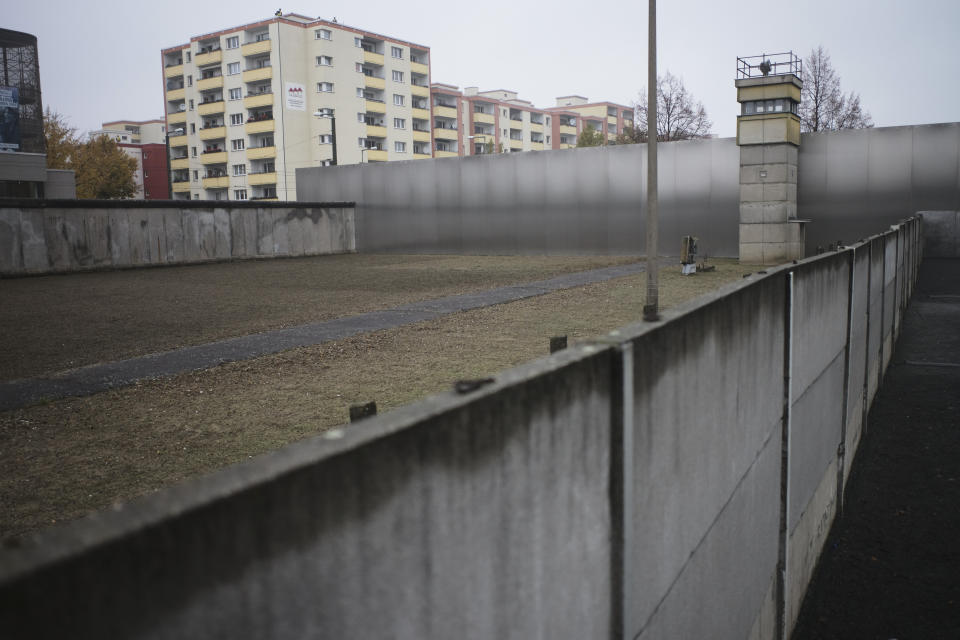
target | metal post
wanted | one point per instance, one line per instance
(651, 308)
(333, 138)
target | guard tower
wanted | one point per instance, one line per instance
(768, 134)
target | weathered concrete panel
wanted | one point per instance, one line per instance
(222, 235)
(97, 237)
(486, 515)
(119, 231)
(173, 231)
(11, 259)
(693, 460)
(139, 236)
(941, 234)
(875, 341)
(858, 355)
(820, 317)
(157, 234)
(191, 236)
(207, 235)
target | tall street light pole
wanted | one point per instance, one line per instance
(651, 310)
(328, 114)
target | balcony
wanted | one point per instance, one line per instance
(486, 118)
(261, 100)
(254, 48)
(421, 114)
(221, 182)
(209, 83)
(173, 72)
(177, 117)
(375, 131)
(180, 163)
(564, 145)
(260, 126)
(181, 187)
(446, 154)
(536, 146)
(254, 179)
(417, 90)
(566, 129)
(212, 57)
(373, 58)
(376, 155)
(445, 134)
(212, 133)
(178, 141)
(208, 108)
(257, 153)
(419, 67)
(421, 136)
(217, 157)
(421, 156)
(372, 82)
(253, 75)
(374, 106)
(444, 112)
(536, 126)
(516, 145)
(176, 94)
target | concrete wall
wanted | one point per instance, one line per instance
(54, 236)
(668, 480)
(941, 234)
(849, 184)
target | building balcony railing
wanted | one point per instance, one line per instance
(486, 118)
(419, 67)
(420, 114)
(421, 136)
(536, 146)
(376, 131)
(255, 179)
(568, 130)
(213, 157)
(260, 126)
(178, 141)
(444, 111)
(445, 154)
(177, 117)
(536, 126)
(173, 72)
(213, 133)
(220, 182)
(417, 90)
(421, 156)
(176, 94)
(375, 106)
(260, 100)
(253, 75)
(376, 155)
(180, 163)
(370, 57)
(372, 82)
(181, 187)
(445, 134)
(210, 83)
(255, 48)
(210, 57)
(210, 108)
(257, 153)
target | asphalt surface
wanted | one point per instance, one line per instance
(891, 565)
(112, 375)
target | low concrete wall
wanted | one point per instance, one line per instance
(62, 236)
(670, 480)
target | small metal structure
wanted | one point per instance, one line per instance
(20, 70)
(769, 64)
(688, 255)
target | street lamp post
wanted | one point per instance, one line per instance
(651, 310)
(328, 113)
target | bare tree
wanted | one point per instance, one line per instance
(679, 117)
(823, 105)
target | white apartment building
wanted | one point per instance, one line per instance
(247, 106)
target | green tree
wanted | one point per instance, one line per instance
(103, 171)
(61, 140)
(590, 137)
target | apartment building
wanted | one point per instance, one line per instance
(473, 122)
(246, 106)
(145, 142)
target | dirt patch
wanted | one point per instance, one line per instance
(72, 456)
(53, 323)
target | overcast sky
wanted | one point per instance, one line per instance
(101, 61)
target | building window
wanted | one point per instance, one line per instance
(236, 118)
(396, 52)
(263, 36)
(237, 144)
(196, 175)
(239, 194)
(548, 139)
(398, 99)
(191, 105)
(233, 42)
(399, 123)
(400, 147)
(362, 142)
(323, 34)
(358, 42)
(324, 61)
(193, 129)
(239, 169)
(189, 81)
(236, 94)
(193, 151)
(398, 76)
(325, 87)
(233, 68)
(548, 121)
(360, 92)
(196, 196)
(326, 138)
(188, 56)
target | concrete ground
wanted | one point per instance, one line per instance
(890, 567)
